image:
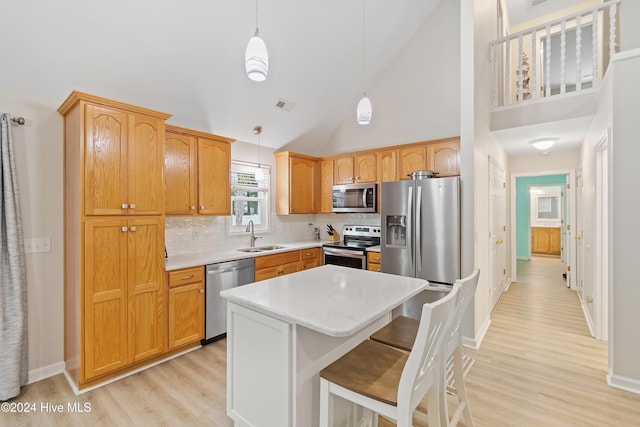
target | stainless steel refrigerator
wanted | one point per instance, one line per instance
(420, 221)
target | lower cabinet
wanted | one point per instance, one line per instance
(310, 258)
(373, 261)
(545, 241)
(275, 265)
(123, 293)
(186, 306)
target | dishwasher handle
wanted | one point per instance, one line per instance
(225, 270)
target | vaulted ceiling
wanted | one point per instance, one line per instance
(186, 58)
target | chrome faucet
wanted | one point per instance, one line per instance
(253, 237)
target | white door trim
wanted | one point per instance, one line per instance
(571, 200)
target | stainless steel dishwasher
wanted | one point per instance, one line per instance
(220, 276)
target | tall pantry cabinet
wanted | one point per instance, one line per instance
(114, 236)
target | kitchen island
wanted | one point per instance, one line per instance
(281, 332)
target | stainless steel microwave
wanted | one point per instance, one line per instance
(354, 198)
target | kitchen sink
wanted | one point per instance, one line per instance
(262, 248)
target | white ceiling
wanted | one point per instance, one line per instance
(186, 58)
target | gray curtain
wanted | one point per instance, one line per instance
(13, 283)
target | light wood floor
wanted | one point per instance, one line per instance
(538, 366)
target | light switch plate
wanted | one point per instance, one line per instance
(37, 245)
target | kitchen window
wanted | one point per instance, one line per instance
(249, 197)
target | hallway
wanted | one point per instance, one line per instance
(538, 364)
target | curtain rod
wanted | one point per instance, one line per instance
(18, 120)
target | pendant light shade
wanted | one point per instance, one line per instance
(364, 111)
(256, 59)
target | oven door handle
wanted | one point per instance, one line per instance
(344, 252)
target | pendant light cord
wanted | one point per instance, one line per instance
(256, 16)
(364, 46)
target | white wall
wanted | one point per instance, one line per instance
(624, 152)
(417, 98)
(485, 147)
(561, 160)
(38, 147)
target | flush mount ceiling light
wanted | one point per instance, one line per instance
(256, 57)
(259, 175)
(543, 143)
(364, 110)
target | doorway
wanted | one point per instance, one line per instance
(523, 218)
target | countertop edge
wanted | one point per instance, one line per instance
(196, 259)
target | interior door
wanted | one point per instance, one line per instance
(497, 231)
(579, 232)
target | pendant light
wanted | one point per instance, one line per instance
(259, 174)
(256, 57)
(364, 110)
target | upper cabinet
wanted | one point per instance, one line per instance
(444, 158)
(326, 185)
(387, 165)
(411, 159)
(196, 173)
(297, 183)
(122, 161)
(352, 169)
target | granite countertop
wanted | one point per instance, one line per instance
(176, 262)
(333, 300)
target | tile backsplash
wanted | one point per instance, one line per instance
(192, 234)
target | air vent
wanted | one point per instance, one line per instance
(285, 105)
(537, 2)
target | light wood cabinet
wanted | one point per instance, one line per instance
(355, 169)
(444, 158)
(114, 237)
(282, 263)
(196, 173)
(373, 261)
(411, 159)
(326, 185)
(275, 265)
(387, 165)
(185, 306)
(123, 162)
(545, 241)
(310, 258)
(297, 183)
(124, 299)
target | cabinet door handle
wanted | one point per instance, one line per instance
(133, 228)
(193, 207)
(186, 277)
(201, 206)
(132, 206)
(125, 206)
(123, 229)
(202, 291)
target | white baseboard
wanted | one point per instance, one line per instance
(587, 316)
(623, 383)
(135, 371)
(38, 374)
(476, 341)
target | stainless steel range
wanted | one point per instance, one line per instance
(352, 250)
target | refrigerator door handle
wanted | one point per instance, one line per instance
(418, 228)
(410, 225)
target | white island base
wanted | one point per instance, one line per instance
(282, 332)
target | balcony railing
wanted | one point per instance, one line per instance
(566, 55)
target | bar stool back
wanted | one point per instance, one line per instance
(390, 382)
(400, 333)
